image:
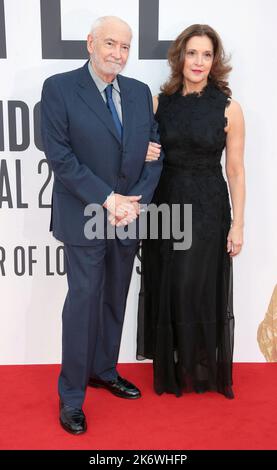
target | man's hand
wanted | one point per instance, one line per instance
(122, 209)
(121, 221)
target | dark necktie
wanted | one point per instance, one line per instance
(112, 108)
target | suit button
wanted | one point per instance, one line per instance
(122, 176)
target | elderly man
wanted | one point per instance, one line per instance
(96, 128)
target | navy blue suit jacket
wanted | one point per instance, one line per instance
(85, 153)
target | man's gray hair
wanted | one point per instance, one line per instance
(106, 19)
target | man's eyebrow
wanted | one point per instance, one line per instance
(113, 40)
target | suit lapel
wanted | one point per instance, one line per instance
(90, 94)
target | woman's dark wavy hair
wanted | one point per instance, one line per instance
(176, 56)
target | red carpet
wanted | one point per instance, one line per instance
(29, 413)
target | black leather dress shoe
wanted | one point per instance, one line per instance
(72, 419)
(119, 387)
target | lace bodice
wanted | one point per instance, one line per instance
(192, 127)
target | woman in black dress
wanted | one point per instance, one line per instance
(185, 320)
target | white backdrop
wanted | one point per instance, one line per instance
(31, 302)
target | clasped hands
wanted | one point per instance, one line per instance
(122, 209)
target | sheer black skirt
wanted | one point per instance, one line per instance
(185, 314)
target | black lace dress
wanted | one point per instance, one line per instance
(185, 317)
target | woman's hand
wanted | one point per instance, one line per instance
(153, 152)
(235, 240)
